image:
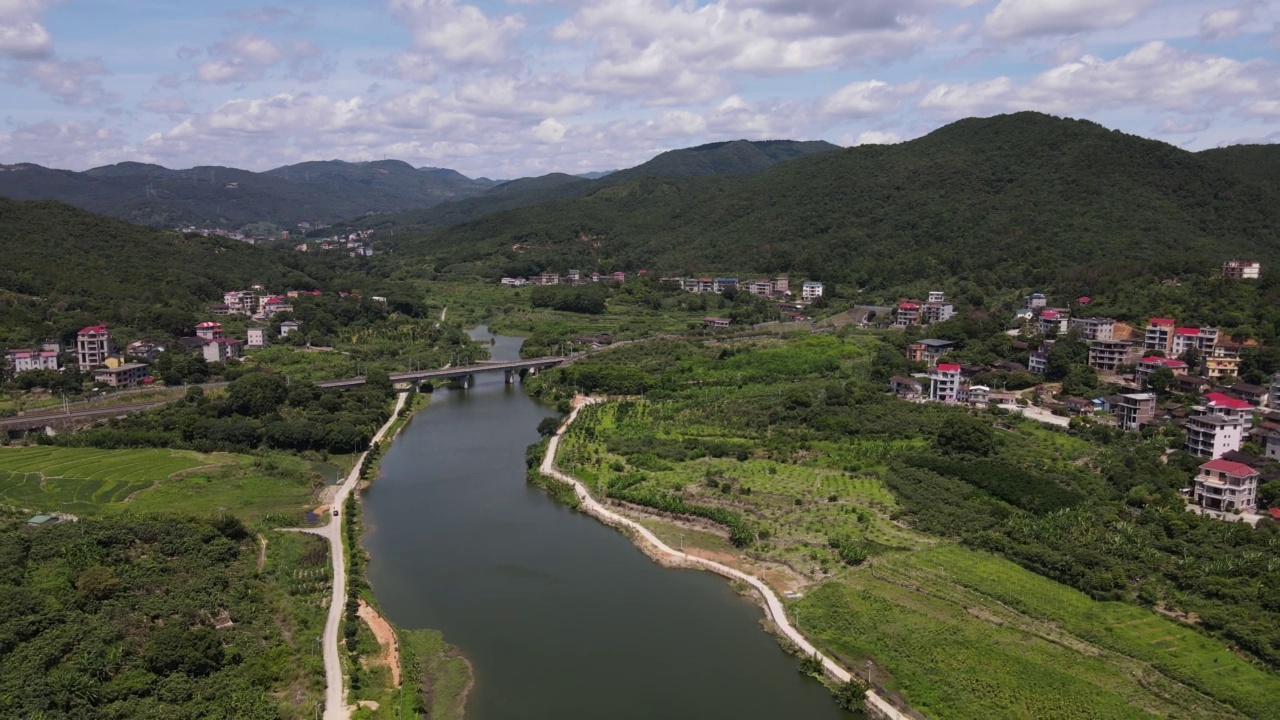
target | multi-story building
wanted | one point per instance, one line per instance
(1148, 365)
(619, 277)
(93, 346)
(288, 327)
(929, 351)
(937, 296)
(944, 383)
(905, 387)
(143, 349)
(811, 290)
(221, 350)
(122, 375)
(1275, 391)
(257, 337)
(1159, 335)
(1242, 270)
(763, 288)
(546, 278)
(575, 276)
(1109, 355)
(906, 314)
(1093, 328)
(781, 285)
(1134, 410)
(1035, 301)
(1202, 340)
(276, 305)
(936, 309)
(244, 302)
(21, 361)
(1038, 360)
(209, 330)
(1053, 322)
(1223, 363)
(719, 285)
(1219, 426)
(1226, 486)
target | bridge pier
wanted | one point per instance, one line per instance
(510, 377)
(467, 381)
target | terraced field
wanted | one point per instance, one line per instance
(87, 481)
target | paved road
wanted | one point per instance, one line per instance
(773, 606)
(335, 700)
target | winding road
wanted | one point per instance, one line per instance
(777, 612)
(335, 701)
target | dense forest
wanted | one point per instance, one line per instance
(119, 618)
(1014, 201)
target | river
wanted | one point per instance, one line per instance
(561, 617)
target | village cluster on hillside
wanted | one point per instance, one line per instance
(356, 244)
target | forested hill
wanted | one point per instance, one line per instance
(315, 192)
(64, 268)
(725, 158)
(1010, 201)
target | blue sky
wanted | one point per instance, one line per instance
(505, 88)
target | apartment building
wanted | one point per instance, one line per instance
(1053, 322)
(1134, 410)
(763, 288)
(1226, 486)
(1038, 360)
(1093, 328)
(93, 346)
(244, 302)
(1159, 335)
(906, 314)
(1202, 340)
(781, 285)
(1109, 355)
(936, 309)
(944, 383)
(1218, 426)
(209, 330)
(811, 290)
(719, 285)
(929, 351)
(123, 375)
(1242, 270)
(1223, 363)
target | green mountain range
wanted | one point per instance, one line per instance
(1010, 201)
(315, 192)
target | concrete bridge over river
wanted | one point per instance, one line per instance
(465, 373)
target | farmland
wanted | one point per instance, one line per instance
(86, 481)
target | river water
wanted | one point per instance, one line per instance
(561, 617)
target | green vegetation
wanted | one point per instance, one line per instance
(151, 617)
(792, 448)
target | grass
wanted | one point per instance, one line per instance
(86, 481)
(299, 574)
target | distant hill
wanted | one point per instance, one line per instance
(726, 158)
(316, 192)
(65, 268)
(1023, 200)
(595, 175)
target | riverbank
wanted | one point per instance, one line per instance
(649, 543)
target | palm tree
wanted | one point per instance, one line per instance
(71, 688)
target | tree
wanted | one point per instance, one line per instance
(548, 426)
(174, 648)
(966, 435)
(1162, 381)
(1069, 350)
(257, 394)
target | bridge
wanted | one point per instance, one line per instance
(465, 373)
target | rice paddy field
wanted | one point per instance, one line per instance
(954, 632)
(87, 481)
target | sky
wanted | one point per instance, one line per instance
(510, 88)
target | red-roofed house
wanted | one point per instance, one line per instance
(1148, 365)
(1202, 339)
(1053, 322)
(1219, 426)
(1227, 486)
(209, 330)
(944, 383)
(275, 305)
(93, 346)
(1084, 300)
(906, 314)
(1159, 335)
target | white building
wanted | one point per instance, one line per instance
(944, 383)
(209, 330)
(27, 360)
(1241, 270)
(811, 290)
(1094, 328)
(1219, 426)
(1227, 486)
(287, 327)
(1275, 391)
(221, 350)
(93, 346)
(257, 337)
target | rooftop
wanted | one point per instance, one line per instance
(1233, 469)
(948, 367)
(1168, 322)
(934, 342)
(94, 329)
(1220, 400)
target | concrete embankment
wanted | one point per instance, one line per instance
(876, 705)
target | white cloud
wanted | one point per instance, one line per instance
(870, 98)
(51, 143)
(549, 131)
(409, 66)
(872, 137)
(1226, 22)
(1264, 108)
(70, 82)
(458, 33)
(505, 97)
(1015, 19)
(22, 36)
(1169, 126)
(1153, 76)
(239, 58)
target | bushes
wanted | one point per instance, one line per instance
(1022, 488)
(741, 534)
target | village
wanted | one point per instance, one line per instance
(355, 244)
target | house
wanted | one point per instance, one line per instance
(906, 314)
(1193, 385)
(1053, 322)
(763, 288)
(1009, 366)
(1035, 301)
(1226, 486)
(257, 337)
(595, 277)
(718, 322)
(1255, 395)
(1218, 426)
(27, 360)
(929, 351)
(719, 285)
(1268, 436)
(123, 375)
(1150, 364)
(1275, 392)
(546, 279)
(221, 350)
(1224, 362)
(275, 305)
(1241, 270)
(143, 349)
(287, 327)
(1002, 399)
(243, 302)
(1084, 300)
(1093, 328)
(906, 388)
(944, 383)
(218, 310)
(1038, 360)
(1134, 410)
(1079, 406)
(936, 308)
(811, 290)
(575, 276)
(93, 346)
(620, 277)
(782, 286)
(514, 282)
(1159, 335)
(209, 330)
(1202, 340)
(1109, 355)
(978, 394)
(700, 285)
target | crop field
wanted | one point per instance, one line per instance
(956, 652)
(86, 481)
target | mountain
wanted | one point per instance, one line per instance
(65, 268)
(1022, 200)
(595, 175)
(316, 192)
(737, 157)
